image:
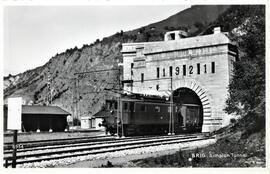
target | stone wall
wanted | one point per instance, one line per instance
(211, 85)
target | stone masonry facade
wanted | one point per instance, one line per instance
(202, 64)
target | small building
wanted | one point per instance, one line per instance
(87, 122)
(107, 112)
(42, 118)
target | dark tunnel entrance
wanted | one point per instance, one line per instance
(189, 110)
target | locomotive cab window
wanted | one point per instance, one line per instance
(131, 106)
(143, 108)
(157, 109)
(125, 106)
(109, 105)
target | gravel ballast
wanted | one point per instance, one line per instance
(122, 156)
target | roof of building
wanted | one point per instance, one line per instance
(43, 110)
(185, 43)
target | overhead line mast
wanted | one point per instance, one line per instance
(82, 74)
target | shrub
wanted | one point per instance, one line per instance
(232, 120)
(77, 58)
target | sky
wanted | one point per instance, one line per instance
(33, 34)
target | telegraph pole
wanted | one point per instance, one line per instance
(77, 108)
(74, 100)
(49, 94)
(172, 108)
(77, 100)
(49, 101)
(171, 113)
(120, 105)
(118, 111)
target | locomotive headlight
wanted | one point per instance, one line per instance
(161, 117)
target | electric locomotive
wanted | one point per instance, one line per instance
(149, 115)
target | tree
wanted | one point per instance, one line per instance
(166, 28)
(198, 25)
(247, 88)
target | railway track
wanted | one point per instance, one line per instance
(88, 143)
(31, 155)
(65, 142)
(39, 143)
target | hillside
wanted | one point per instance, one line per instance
(193, 20)
(246, 26)
(236, 146)
(104, 54)
(32, 85)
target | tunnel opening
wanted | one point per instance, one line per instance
(189, 110)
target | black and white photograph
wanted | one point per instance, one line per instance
(138, 85)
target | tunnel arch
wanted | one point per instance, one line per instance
(200, 92)
(189, 109)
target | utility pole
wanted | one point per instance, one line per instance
(120, 105)
(49, 92)
(77, 100)
(172, 108)
(118, 113)
(77, 95)
(78, 104)
(74, 111)
(171, 112)
(170, 119)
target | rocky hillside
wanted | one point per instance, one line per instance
(86, 93)
(60, 71)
